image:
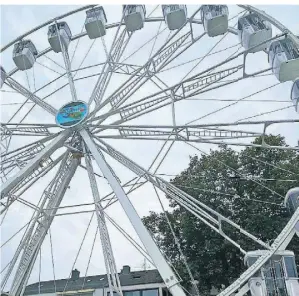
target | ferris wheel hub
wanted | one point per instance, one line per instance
(71, 114)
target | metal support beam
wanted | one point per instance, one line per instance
(67, 64)
(29, 95)
(29, 181)
(193, 205)
(111, 270)
(30, 167)
(165, 271)
(117, 48)
(160, 59)
(39, 226)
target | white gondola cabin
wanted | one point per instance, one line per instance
(134, 16)
(2, 75)
(175, 16)
(95, 22)
(24, 54)
(284, 59)
(278, 274)
(214, 19)
(252, 31)
(295, 94)
(64, 33)
(291, 202)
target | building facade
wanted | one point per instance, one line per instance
(134, 283)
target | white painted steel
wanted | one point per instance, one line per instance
(35, 239)
(165, 271)
(49, 149)
(192, 86)
(111, 270)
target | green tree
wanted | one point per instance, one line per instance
(249, 188)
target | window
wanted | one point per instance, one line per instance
(251, 261)
(131, 9)
(132, 293)
(153, 292)
(174, 7)
(290, 266)
(76, 294)
(149, 292)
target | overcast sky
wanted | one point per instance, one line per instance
(68, 231)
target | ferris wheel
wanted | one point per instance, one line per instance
(75, 101)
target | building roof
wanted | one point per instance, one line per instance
(127, 278)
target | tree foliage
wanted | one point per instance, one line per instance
(247, 187)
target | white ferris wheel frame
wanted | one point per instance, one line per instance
(94, 146)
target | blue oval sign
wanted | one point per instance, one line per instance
(71, 114)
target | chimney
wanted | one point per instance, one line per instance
(75, 274)
(126, 269)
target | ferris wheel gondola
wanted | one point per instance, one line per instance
(278, 274)
(59, 32)
(95, 22)
(215, 19)
(292, 203)
(24, 54)
(295, 94)
(254, 30)
(134, 16)
(175, 16)
(284, 59)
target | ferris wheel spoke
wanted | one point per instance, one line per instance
(29, 95)
(135, 244)
(114, 57)
(188, 134)
(178, 86)
(67, 63)
(37, 130)
(34, 238)
(183, 90)
(111, 199)
(10, 131)
(34, 163)
(150, 69)
(111, 270)
(191, 204)
(165, 271)
(119, 68)
(179, 133)
(160, 59)
(118, 46)
(10, 154)
(23, 186)
(200, 81)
